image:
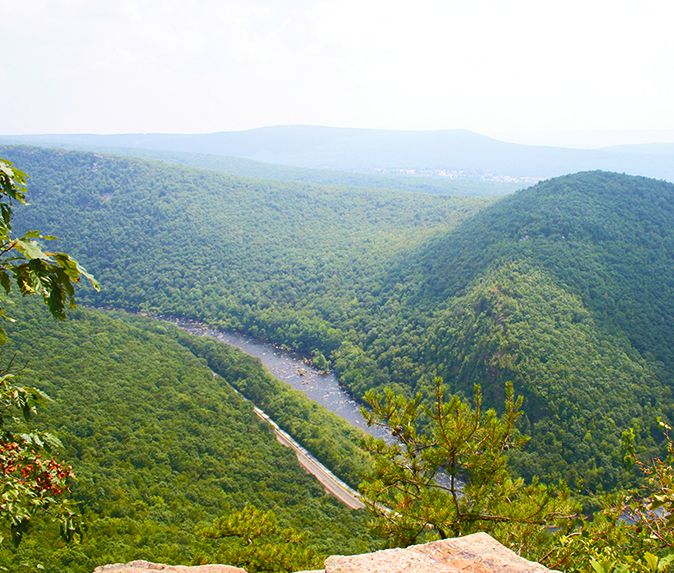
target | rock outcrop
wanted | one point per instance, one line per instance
(477, 553)
(148, 567)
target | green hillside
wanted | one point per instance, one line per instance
(582, 385)
(284, 261)
(563, 288)
(608, 238)
(161, 447)
(328, 437)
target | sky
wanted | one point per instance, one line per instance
(571, 72)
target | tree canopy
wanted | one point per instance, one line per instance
(561, 288)
(33, 481)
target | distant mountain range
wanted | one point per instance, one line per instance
(446, 153)
(563, 288)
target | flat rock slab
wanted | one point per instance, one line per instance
(148, 567)
(477, 553)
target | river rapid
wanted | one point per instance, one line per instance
(289, 367)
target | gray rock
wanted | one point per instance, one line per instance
(148, 567)
(477, 553)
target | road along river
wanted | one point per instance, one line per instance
(290, 368)
(320, 387)
(330, 482)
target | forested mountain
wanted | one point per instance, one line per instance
(241, 167)
(162, 448)
(607, 238)
(371, 149)
(563, 288)
(285, 262)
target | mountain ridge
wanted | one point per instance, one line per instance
(562, 288)
(353, 149)
(369, 279)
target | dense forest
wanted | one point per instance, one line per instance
(163, 449)
(565, 289)
(332, 440)
(562, 288)
(285, 262)
(459, 185)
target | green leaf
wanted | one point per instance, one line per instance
(651, 561)
(30, 249)
(37, 235)
(603, 566)
(6, 212)
(73, 269)
(665, 562)
(5, 281)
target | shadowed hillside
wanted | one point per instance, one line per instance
(562, 288)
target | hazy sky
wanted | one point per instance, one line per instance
(525, 68)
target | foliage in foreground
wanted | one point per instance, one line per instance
(448, 475)
(254, 540)
(32, 480)
(452, 477)
(634, 530)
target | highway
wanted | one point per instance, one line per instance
(330, 482)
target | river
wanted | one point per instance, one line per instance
(291, 369)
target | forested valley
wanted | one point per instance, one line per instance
(163, 448)
(563, 289)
